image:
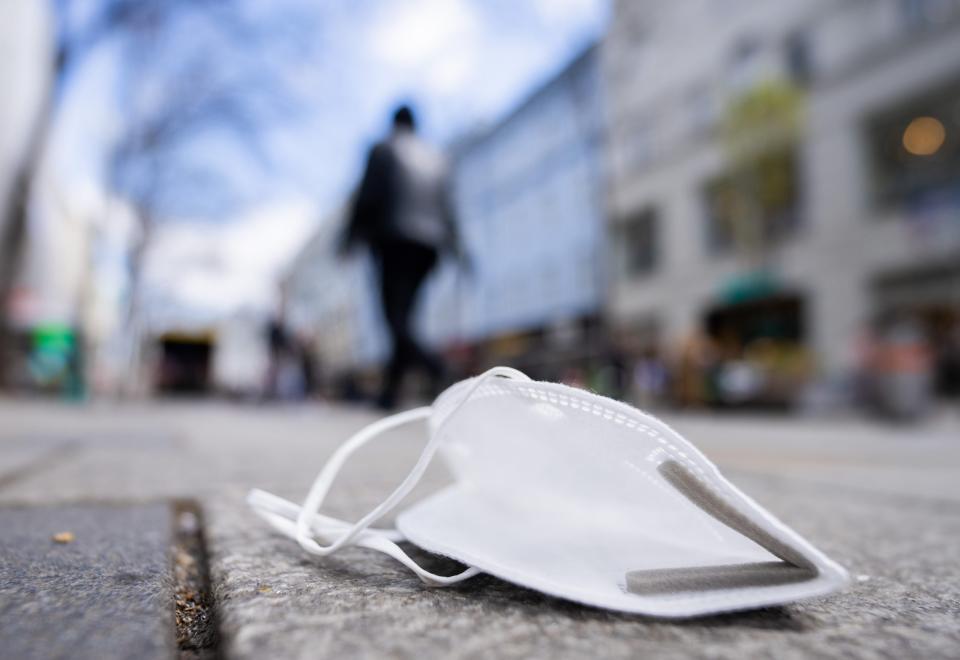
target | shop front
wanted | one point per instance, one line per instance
(184, 365)
(923, 302)
(755, 345)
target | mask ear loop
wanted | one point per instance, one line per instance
(310, 522)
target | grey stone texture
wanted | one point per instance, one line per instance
(904, 602)
(104, 594)
(883, 501)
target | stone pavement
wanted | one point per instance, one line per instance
(104, 589)
(883, 501)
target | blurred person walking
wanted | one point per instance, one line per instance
(404, 214)
(280, 350)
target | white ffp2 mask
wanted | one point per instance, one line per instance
(577, 496)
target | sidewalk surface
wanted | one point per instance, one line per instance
(883, 501)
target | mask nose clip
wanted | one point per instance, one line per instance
(793, 566)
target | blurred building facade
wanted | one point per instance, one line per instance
(27, 52)
(529, 196)
(26, 55)
(771, 193)
(328, 303)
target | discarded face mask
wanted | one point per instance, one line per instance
(574, 495)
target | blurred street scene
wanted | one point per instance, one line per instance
(742, 216)
(695, 206)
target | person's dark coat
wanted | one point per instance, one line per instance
(404, 197)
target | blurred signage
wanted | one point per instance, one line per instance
(749, 286)
(53, 346)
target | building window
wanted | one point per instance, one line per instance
(798, 57)
(915, 149)
(639, 246)
(704, 109)
(754, 205)
(921, 14)
(745, 66)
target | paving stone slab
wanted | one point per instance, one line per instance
(883, 502)
(104, 594)
(276, 601)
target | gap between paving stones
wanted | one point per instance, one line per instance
(81, 580)
(99, 583)
(195, 614)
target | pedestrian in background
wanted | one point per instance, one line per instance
(404, 214)
(280, 349)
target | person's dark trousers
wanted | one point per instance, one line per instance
(403, 268)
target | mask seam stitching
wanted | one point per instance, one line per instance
(605, 413)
